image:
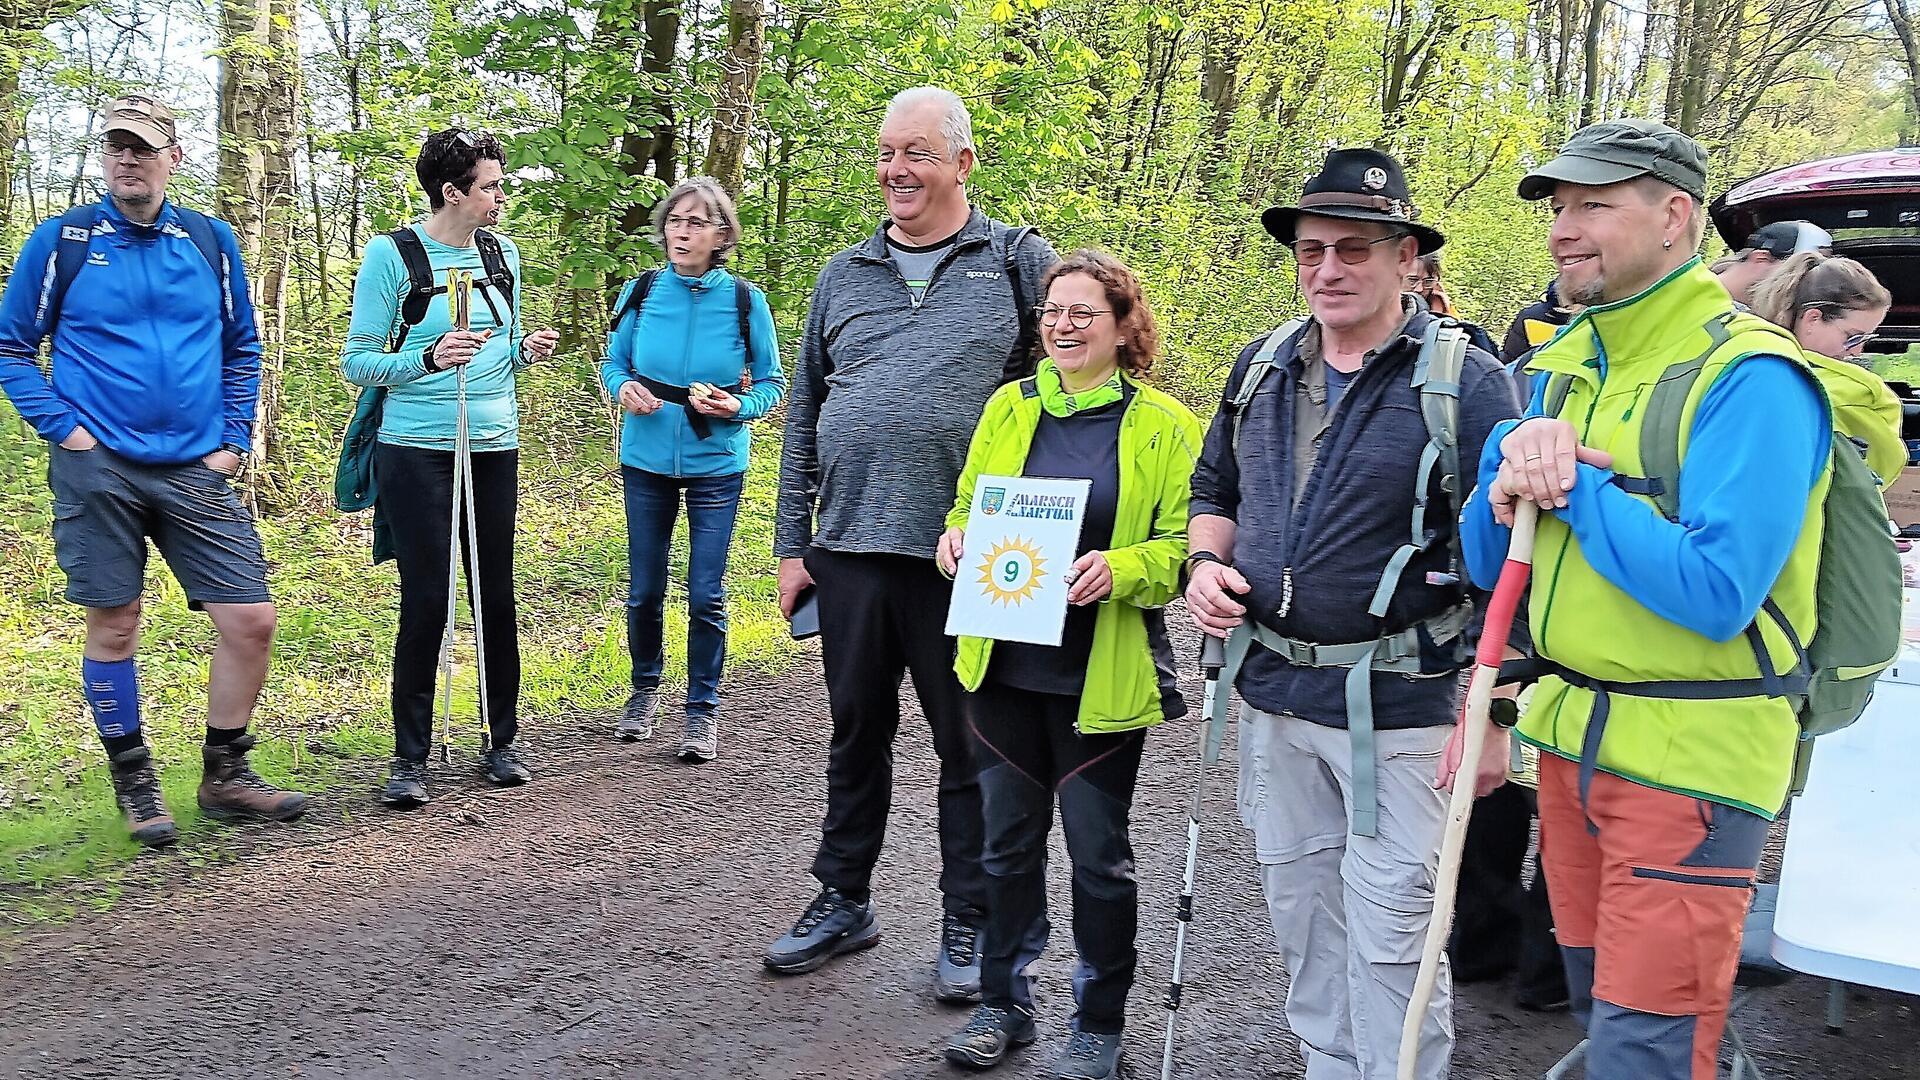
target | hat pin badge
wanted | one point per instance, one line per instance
(1374, 179)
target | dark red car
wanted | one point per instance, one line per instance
(1869, 202)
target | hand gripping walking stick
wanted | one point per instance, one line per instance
(460, 310)
(1215, 656)
(1486, 671)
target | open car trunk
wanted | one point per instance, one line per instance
(1871, 205)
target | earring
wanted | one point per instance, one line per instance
(1668, 244)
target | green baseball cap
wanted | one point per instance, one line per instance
(1618, 150)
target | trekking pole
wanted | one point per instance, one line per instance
(1486, 672)
(460, 308)
(1215, 655)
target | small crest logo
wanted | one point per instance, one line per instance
(1374, 179)
(993, 500)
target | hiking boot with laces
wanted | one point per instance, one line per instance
(231, 791)
(831, 926)
(1090, 1055)
(989, 1036)
(406, 785)
(956, 975)
(137, 790)
(702, 740)
(636, 722)
(504, 768)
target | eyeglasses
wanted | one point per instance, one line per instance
(138, 151)
(1352, 250)
(1079, 316)
(697, 224)
(1856, 342)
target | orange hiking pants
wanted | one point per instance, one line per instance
(1649, 891)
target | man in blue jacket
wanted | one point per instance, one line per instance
(147, 412)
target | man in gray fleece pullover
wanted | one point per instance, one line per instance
(907, 336)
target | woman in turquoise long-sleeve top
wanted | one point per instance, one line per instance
(692, 360)
(413, 458)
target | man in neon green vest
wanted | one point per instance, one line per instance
(1668, 619)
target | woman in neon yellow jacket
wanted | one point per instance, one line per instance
(1070, 720)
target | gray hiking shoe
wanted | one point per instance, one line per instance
(504, 767)
(1090, 1055)
(956, 974)
(636, 722)
(990, 1035)
(702, 741)
(406, 784)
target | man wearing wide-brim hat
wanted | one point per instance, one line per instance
(1680, 453)
(1306, 502)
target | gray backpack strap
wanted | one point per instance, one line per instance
(1257, 371)
(1436, 377)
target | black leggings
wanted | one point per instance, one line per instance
(416, 498)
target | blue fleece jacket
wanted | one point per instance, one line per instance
(1759, 441)
(689, 331)
(154, 355)
(422, 404)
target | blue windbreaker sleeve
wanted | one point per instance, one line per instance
(769, 381)
(240, 351)
(1743, 497)
(617, 369)
(20, 334)
(377, 291)
(1483, 541)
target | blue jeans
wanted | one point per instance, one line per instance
(653, 505)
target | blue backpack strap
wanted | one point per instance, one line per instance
(70, 255)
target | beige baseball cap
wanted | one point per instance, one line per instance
(143, 117)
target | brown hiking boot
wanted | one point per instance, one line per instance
(137, 790)
(231, 791)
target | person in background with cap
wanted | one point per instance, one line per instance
(1768, 247)
(1654, 806)
(148, 415)
(1300, 508)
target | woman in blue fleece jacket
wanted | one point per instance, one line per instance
(689, 384)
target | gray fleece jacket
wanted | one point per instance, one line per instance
(887, 392)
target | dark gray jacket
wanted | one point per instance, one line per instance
(887, 392)
(1355, 511)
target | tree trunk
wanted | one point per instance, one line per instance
(1693, 89)
(259, 121)
(660, 23)
(1900, 14)
(1220, 89)
(1590, 87)
(733, 109)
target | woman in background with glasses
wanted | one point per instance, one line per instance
(1833, 305)
(692, 360)
(1069, 721)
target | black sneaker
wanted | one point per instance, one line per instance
(504, 768)
(956, 974)
(702, 741)
(406, 785)
(989, 1036)
(636, 722)
(1090, 1055)
(831, 926)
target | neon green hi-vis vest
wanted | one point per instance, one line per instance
(1704, 719)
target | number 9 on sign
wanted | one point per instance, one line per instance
(1012, 571)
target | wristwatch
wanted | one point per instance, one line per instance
(239, 452)
(1193, 560)
(1504, 712)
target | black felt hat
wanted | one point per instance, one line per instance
(1358, 185)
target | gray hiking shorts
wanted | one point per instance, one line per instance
(106, 507)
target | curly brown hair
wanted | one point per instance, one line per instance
(1139, 333)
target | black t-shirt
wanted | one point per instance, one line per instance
(1084, 446)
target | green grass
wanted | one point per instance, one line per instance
(62, 845)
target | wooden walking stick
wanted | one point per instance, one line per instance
(1486, 671)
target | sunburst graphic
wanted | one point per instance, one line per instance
(1012, 571)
